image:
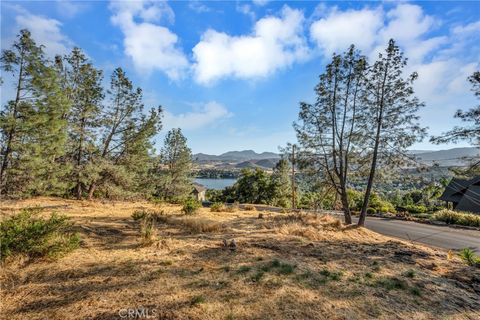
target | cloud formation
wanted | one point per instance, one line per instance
(149, 45)
(200, 117)
(275, 43)
(44, 31)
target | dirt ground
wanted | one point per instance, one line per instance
(283, 267)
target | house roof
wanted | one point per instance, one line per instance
(198, 187)
(454, 190)
(470, 200)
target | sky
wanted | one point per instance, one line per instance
(231, 74)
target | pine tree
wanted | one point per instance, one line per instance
(328, 129)
(280, 184)
(175, 167)
(126, 138)
(390, 118)
(85, 93)
(33, 131)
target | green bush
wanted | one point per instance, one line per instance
(469, 257)
(217, 207)
(26, 233)
(190, 206)
(454, 217)
(371, 211)
(413, 208)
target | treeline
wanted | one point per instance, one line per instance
(65, 134)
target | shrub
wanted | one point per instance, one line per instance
(469, 257)
(190, 206)
(413, 208)
(139, 214)
(249, 207)
(148, 230)
(25, 233)
(371, 211)
(217, 207)
(454, 217)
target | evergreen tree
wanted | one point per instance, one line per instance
(175, 167)
(126, 136)
(390, 119)
(32, 127)
(328, 129)
(280, 184)
(85, 93)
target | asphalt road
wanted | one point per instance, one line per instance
(433, 235)
(443, 237)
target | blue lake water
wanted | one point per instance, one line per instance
(217, 184)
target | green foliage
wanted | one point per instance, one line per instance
(412, 208)
(217, 207)
(174, 168)
(26, 233)
(454, 217)
(280, 185)
(253, 186)
(469, 257)
(190, 206)
(371, 211)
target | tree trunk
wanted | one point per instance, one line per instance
(91, 190)
(368, 191)
(11, 134)
(346, 207)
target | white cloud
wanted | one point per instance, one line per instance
(200, 117)
(275, 43)
(371, 28)
(150, 46)
(45, 31)
(340, 29)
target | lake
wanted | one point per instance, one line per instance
(216, 184)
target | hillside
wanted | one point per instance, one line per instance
(447, 158)
(244, 155)
(283, 267)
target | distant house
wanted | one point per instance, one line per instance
(463, 194)
(198, 192)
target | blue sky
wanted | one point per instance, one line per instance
(231, 74)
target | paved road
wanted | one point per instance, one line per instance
(443, 237)
(437, 236)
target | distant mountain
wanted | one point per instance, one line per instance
(236, 156)
(447, 158)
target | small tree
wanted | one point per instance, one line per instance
(390, 119)
(280, 185)
(174, 167)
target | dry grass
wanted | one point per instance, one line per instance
(295, 266)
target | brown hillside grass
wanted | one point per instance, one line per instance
(284, 266)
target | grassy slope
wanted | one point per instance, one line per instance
(283, 268)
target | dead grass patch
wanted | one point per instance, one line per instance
(273, 274)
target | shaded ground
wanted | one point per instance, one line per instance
(284, 267)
